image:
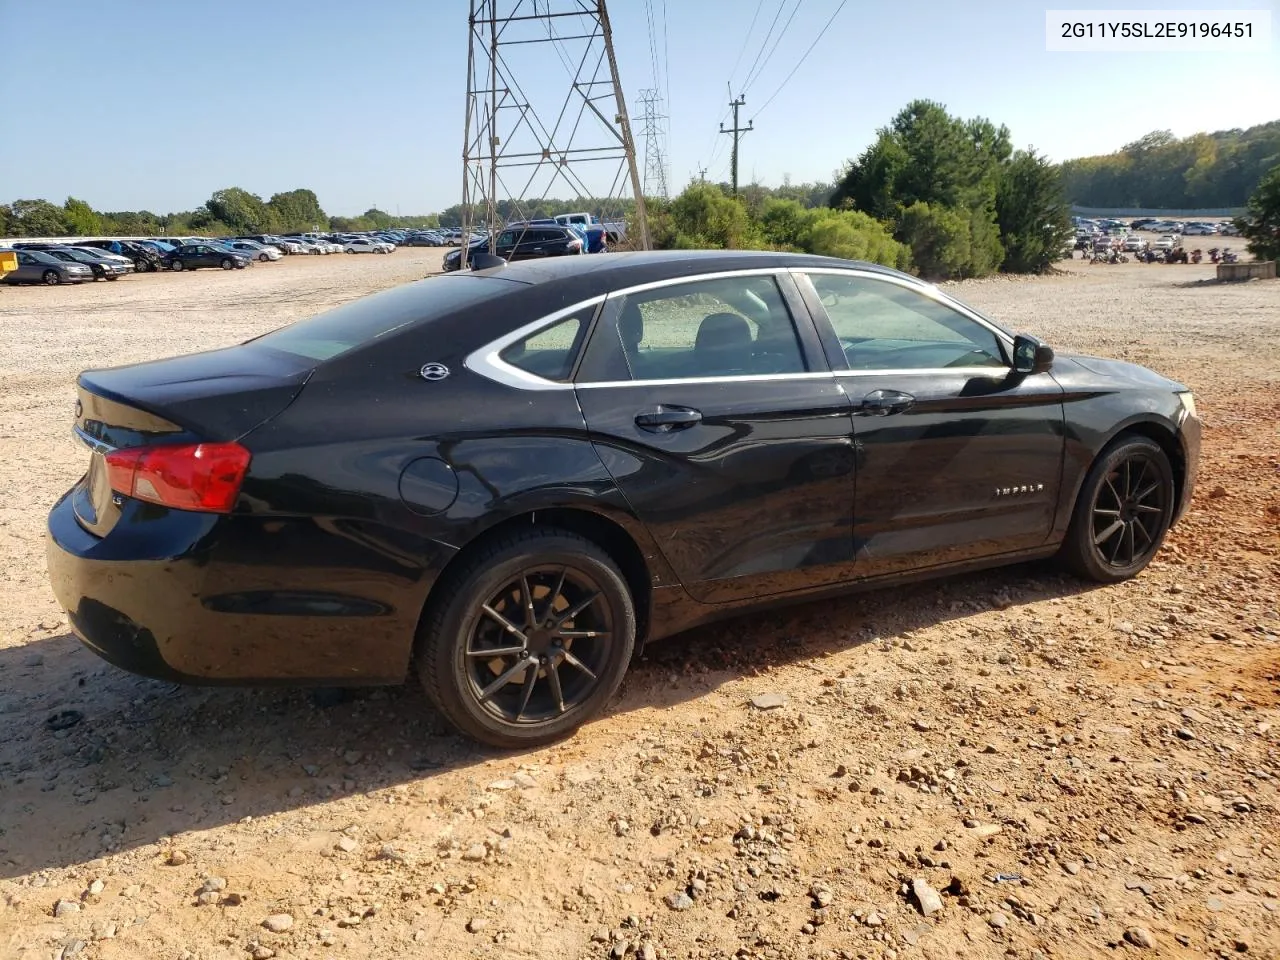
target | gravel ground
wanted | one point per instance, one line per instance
(1009, 764)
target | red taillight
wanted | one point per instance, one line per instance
(195, 476)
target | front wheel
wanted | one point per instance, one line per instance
(528, 640)
(52, 278)
(1123, 512)
(227, 264)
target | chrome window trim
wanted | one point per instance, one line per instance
(487, 360)
(685, 381)
(1000, 372)
(94, 444)
(920, 287)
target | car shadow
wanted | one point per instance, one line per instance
(96, 761)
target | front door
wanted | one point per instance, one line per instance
(958, 456)
(715, 412)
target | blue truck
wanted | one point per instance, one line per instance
(601, 234)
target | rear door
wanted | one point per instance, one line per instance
(958, 456)
(711, 405)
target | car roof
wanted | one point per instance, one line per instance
(614, 270)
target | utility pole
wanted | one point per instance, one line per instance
(736, 132)
(572, 144)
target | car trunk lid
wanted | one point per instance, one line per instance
(216, 396)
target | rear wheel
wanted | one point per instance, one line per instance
(1123, 512)
(52, 278)
(528, 640)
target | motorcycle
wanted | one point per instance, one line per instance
(1196, 255)
(1213, 255)
(1228, 256)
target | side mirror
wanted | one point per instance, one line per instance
(1030, 355)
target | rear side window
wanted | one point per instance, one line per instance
(550, 352)
(368, 319)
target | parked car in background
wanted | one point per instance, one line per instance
(37, 266)
(258, 251)
(192, 256)
(1230, 230)
(523, 243)
(1166, 243)
(367, 245)
(1199, 230)
(1135, 243)
(145, 258)
(603, 232)
(105, 266)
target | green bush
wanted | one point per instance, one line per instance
(1261, 225)
(852, 236)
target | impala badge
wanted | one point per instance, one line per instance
(1019, 491)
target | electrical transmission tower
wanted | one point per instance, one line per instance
(653, 132)
(573, 145)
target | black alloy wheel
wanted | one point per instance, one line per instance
(1124, 511)
(529, 640)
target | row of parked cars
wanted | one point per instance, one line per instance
(1109, 227)
(54, 262)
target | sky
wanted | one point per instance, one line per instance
(364, 103)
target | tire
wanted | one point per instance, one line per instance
(227, 263)
(587, 668)
(114, 276)
(177, 266)
(51, 278)
(1123, 512)
(263, 258)
(139, 266)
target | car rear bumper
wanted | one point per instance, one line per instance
(191, 598)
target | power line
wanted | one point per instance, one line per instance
(653, 40)
(803, 58)
(745, 40)
(764, 43)
(755, 75)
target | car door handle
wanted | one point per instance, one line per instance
(664, 419)
(881, 403)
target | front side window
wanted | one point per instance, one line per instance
(550, 352)
(887, 326)
(732, 326)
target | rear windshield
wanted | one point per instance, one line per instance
(363, 321)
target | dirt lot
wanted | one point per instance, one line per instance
(1079, 772)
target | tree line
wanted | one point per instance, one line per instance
(228, 212)
(1162, 172)
(935, 194)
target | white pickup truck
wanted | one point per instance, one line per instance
(600, 233)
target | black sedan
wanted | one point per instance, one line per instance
(103, 267)
(523, 243)
(192, 255)
(512, 477)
